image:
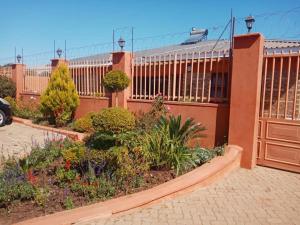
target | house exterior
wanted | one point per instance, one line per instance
(250, 98)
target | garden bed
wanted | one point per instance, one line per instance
(20, 211)
(122, 154)
(51, 179)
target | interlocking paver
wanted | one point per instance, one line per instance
(259, 196)
(17, 139)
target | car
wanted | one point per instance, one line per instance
(5, 112)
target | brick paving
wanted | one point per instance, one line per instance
(17, 139)
(259, 196)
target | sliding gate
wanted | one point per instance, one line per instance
(279, 122)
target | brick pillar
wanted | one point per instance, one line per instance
(56, 62)
(121, 61)
(18, 78)
(245, 95)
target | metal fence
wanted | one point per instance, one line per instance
(280, 96)
(88, 74)
(191, 76)
(36, 78)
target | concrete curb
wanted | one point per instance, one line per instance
(71, 134)
(199, 177)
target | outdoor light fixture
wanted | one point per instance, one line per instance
(249, 22)
(19, 57)
(59, 52)
(121, 43)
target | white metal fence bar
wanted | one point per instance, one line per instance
(88, 75)
(36, 78)
(182, 76)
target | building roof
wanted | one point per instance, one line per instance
(271, 46)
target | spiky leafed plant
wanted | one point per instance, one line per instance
(181, 132)
(167, 143)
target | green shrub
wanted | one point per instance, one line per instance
(17, 191)
(68, 203)
(14, 185)
(105, 140)
(101, 140)
(115, 81)
(125, 164)
(64, 175)
(7, 87)
(115, 120)
(181, 133)
(12, 103)
(74, 152)
(25, 110)
(167, 143)
(84, 124)
(99, 189)
(41, 157)
(203, 155)
(41, 196)
(60, 100)
(146, 121)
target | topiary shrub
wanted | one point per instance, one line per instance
(115, 120)
(84, 124)
(60, 99)
(115, 81)
(7, 87)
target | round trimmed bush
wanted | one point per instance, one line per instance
(7, 87)
(115, 120)
(116, 80)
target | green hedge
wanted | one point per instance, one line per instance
(115, 120)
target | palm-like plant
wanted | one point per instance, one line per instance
(179, 132)
(167, 143)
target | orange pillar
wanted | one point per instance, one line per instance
(245, 95)
(18, 78)
(56, 62)
(121, 61)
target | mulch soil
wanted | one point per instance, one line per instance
(23, 210)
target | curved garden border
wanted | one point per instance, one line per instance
(199, 177)
(71, 134)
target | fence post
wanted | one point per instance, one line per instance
(122, 61)
(245, 95)
(18, 78)
(56, 62)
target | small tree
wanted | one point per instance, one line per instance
(115, 81)
(7, 87)
(60, 99)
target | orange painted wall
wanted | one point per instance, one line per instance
(91, 104)
(213, 116)
(87, 104)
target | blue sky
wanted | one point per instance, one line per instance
(34, 24)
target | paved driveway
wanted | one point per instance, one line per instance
(17, 139)
(259, 196)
